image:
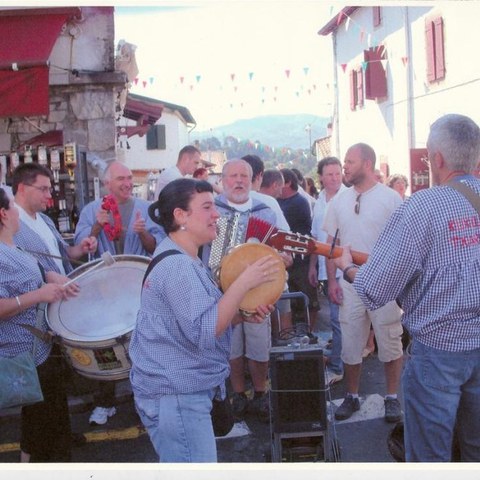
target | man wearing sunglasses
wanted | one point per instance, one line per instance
(359, 214)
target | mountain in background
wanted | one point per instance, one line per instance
(277, 131)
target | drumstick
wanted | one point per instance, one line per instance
(107, 259)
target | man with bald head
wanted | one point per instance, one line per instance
(139, 236)
(359, 214)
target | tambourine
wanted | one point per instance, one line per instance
(237, 260)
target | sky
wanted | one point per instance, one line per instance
(229, 60)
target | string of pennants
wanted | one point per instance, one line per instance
(185, 80)
(370, 38)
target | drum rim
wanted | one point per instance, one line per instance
(139, 259)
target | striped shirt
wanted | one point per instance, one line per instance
(428, 257)
(19, 274)
(173, 347)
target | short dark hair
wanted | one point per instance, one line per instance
(256, 163)
(271, 176)
(290, 177)
(327, 161)
(4, 200)
(189, 150)
(176, 194)
(27, 173)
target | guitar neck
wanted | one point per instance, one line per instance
(323, 249)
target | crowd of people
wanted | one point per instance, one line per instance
(192, 342)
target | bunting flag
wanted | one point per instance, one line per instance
(364, 65)
(344, 67)
(339, 18)
(191, 87)
(232, 76)
(144, 83)
(182, 79)
(135, 81)
(287, 73)
(250, 75)
(198, 78)
(235, 88)
(151, 80)
(404, 61)
(305, 70)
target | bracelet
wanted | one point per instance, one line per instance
(19, 303)
(345, 272)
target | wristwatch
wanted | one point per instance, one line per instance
(345, 272)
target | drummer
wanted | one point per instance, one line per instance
(45, 427)
(32, 187)
(181, 343)
(138, 236)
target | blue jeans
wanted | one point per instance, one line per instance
(180, 426)
(441, 389)
(335, 361)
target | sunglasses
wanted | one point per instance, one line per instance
(356, 209)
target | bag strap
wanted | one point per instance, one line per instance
(467, 192)
(157, 259)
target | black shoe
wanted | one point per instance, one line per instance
(393, 411)
(260, 406)
(239, 405)
(346, 409)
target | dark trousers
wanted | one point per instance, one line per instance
(46, 432)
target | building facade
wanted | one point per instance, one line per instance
(397, 69)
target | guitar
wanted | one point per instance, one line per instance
(305, 245)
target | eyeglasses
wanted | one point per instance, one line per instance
(356, 209)
(44, 190)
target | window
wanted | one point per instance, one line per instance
(356, 89)
(156, 138)
(435, 49)
(375, 75)
(377, 16)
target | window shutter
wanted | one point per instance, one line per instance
(439, 49)
(377, 16)
(156, 138)
(430, 47)
(353, 89)
(375, 75)
(360, 97)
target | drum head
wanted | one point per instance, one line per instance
(233, 264)
(107, 304)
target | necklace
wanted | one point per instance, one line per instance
(114, 231)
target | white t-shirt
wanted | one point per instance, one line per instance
(272, 202)
(39, 226)
(361, 230)
(319, 211)
(167, 176)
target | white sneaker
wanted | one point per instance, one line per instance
(100, 415)
(332, 377)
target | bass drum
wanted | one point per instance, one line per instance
(95, 327)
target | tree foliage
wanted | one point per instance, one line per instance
(272, 157)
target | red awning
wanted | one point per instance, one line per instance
(143, 110)
(28, 37)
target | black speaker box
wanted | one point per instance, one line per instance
(298, 394)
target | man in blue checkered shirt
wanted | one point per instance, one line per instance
(428, 259)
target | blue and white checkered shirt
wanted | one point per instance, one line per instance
(19, 274)
(428, 257)
(173, 347)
